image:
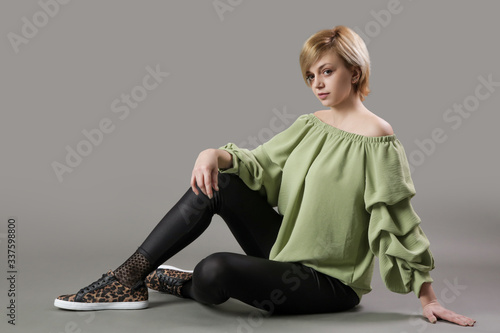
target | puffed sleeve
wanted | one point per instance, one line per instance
(261, 168)
(394, 231)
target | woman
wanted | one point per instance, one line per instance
(340, 179)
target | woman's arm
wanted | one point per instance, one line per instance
(224, 159)
(205, 170)
(432, 308)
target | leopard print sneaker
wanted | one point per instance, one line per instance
(106, 293)
(168, 279)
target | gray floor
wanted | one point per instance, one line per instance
(44, 277)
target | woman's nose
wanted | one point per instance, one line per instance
(318, 83)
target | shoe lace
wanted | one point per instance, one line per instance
(96, 284)
(170, 281)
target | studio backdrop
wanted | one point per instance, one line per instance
(106, 105)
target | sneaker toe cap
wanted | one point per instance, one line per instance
(68, 297)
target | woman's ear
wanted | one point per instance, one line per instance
(356, 74)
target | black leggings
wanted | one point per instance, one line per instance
(277, 287)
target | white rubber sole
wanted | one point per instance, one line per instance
(100, 306)
(173, 267)
(168, 267)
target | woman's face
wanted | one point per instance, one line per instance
(330, 80)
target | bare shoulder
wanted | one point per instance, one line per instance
(367, 124)
(378, 126)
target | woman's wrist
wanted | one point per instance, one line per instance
(224, 159)
(427, 294)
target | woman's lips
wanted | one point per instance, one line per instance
(323, 95)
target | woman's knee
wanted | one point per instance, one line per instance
(210, 279)
(214, 270)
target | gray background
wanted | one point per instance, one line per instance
(227, 75)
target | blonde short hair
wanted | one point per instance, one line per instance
(344, 42)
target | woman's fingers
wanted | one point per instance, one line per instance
(193, 184)
(204, 183)
(461, 320)
(208, 183)
(432, 318)
(205, 173)
(441, 312)
(215, 179)
(200, 182)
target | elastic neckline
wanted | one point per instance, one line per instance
(350, 135)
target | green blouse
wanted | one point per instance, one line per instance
(344, 198)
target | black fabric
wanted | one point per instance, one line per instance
(277, 287)
(133, 270)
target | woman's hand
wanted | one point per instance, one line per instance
(434, 310)
(205, 172)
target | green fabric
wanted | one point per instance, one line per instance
(345, 198)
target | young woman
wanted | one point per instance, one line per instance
(341, 181)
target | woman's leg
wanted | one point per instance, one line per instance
(278, 287)
(253, 222)
(251, 219)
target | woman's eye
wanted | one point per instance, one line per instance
(327, 70)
